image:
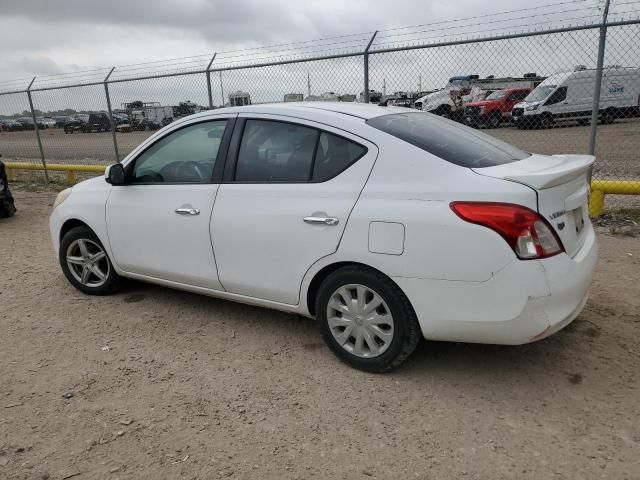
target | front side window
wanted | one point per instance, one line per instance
(448, 140)
(273, 151)
(558, 96)
(187, 155)
(540, 93)
(496, 95)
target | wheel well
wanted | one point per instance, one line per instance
(69, 224)
(314, 286)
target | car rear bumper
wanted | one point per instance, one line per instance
(524, 302)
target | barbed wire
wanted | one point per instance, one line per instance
(339, 44)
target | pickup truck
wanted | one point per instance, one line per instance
(494, 109)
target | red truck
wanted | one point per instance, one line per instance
(494, 109)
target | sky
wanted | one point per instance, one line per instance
(48, 37)
(44, 37)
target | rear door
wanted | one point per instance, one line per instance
(289, 188)
(563, 192)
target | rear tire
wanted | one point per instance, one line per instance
(609, 116)
(366, 320)
(85, 263)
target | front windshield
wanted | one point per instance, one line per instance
(540, 93)
(496, 95)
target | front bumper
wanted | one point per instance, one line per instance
(524, 302)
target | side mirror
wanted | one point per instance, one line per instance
(114, 174)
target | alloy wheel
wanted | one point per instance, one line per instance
(88, 262)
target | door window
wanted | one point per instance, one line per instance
(334, 155)
(517, 96)
(558, 96)
(275, 152)
(187, 155)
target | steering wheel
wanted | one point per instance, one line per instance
(190, 171)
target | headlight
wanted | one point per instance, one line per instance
(531, 108)
(62, 196)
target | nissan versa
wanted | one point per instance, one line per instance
(385, 224)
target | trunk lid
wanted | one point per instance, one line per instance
(560, 182)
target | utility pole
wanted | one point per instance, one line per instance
(384, 87)
(308, 85)
(419, 83)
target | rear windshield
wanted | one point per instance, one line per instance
(448, 140)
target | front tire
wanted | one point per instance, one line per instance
(85, 263)
(366, 320)
(494, 120)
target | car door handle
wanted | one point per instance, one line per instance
(188, 211)
(331, 221)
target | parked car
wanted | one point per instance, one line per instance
(10, 126)
(46, 122)
(85, 123)
(346, 213)
(7, 205)
(495, 108)
(62, 120)
(569, 96)
(27, 123)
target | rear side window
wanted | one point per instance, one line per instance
(275, 152)
(448, 140)
(334, 155)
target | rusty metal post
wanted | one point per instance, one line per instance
(366, 67)
(37, 130)
(209, 81)
(113, 125)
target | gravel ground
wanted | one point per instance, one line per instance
(165, 384)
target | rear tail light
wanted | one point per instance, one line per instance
(526, 232)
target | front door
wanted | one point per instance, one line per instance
(158, 223)
(290, 190)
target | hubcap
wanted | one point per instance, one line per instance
(88, 262)
(360, 321)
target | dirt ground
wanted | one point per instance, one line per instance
(166, 384)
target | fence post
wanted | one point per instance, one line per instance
(366, 67)
(221, 88)
(113, 125)
(37, 130)
(595, 109)
(209, 81)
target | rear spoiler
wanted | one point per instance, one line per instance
(541, 171)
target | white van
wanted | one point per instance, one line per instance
(568, 96)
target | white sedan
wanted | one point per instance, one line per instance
(385, 224)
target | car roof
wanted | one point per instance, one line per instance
(309, 109)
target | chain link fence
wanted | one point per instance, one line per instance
(535, 89)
